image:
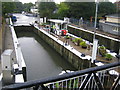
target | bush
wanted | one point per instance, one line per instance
(43, 24)
(83, 44)
(78, 40)
(102, 50)
(67, 37)
(108, 56)
(73, 40)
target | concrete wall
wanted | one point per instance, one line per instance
(113, 19)
(23, 28)
(110, 43)
(71, 57)
(0, 40)
(109, 28)
(18, 53)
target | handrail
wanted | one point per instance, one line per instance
(18, 52)
(111, 38)
(61, 77)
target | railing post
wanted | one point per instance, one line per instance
(98, 82)
(40, 87)
(43, 87)
(85, 82)
(36, 87)
(115, 83)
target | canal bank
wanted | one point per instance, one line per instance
(66, 51)
(75, 55)
(41, 60)
(109, 42)
(10, 71)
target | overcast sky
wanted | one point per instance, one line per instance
(33, 1)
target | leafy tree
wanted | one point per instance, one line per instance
(8, 7)
(46, 9)
(19, 7)
(63, 9)
(77, 9)
(106, 8)
(85, 9)
(27, 6)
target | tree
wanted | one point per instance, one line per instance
(19, 7)
(27, 6)
(106, 8)
(85, 9)
(63, 10)
(46, 9)
(77, 9)
(8, 7)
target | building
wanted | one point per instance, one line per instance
(111, 24)
(117, 5)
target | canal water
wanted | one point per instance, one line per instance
(41, 60)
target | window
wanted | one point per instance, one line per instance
(115, 29)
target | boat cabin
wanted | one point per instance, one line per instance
(58, 27)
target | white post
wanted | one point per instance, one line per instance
(45, 20)
(95, 19)
(94, 51)
(19, 58)
(41, 20)
(95, 42)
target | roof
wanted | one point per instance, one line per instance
(113, 16)
(57, 21)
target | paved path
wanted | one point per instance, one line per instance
(7, 40)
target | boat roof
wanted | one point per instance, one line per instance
(113, 16)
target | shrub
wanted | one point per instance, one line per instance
(102, 50)
(73, 40)
(67, 37)
(83, 44)
(108, 56)
(43, 24)
(78, 40)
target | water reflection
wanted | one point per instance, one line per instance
(41, 60)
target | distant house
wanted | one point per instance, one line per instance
(111, 24)
(118, 5)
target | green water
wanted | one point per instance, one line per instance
(41, 60)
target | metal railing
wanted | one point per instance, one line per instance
(95, 77)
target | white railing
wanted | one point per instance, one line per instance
(17, 49)
(77, 82)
